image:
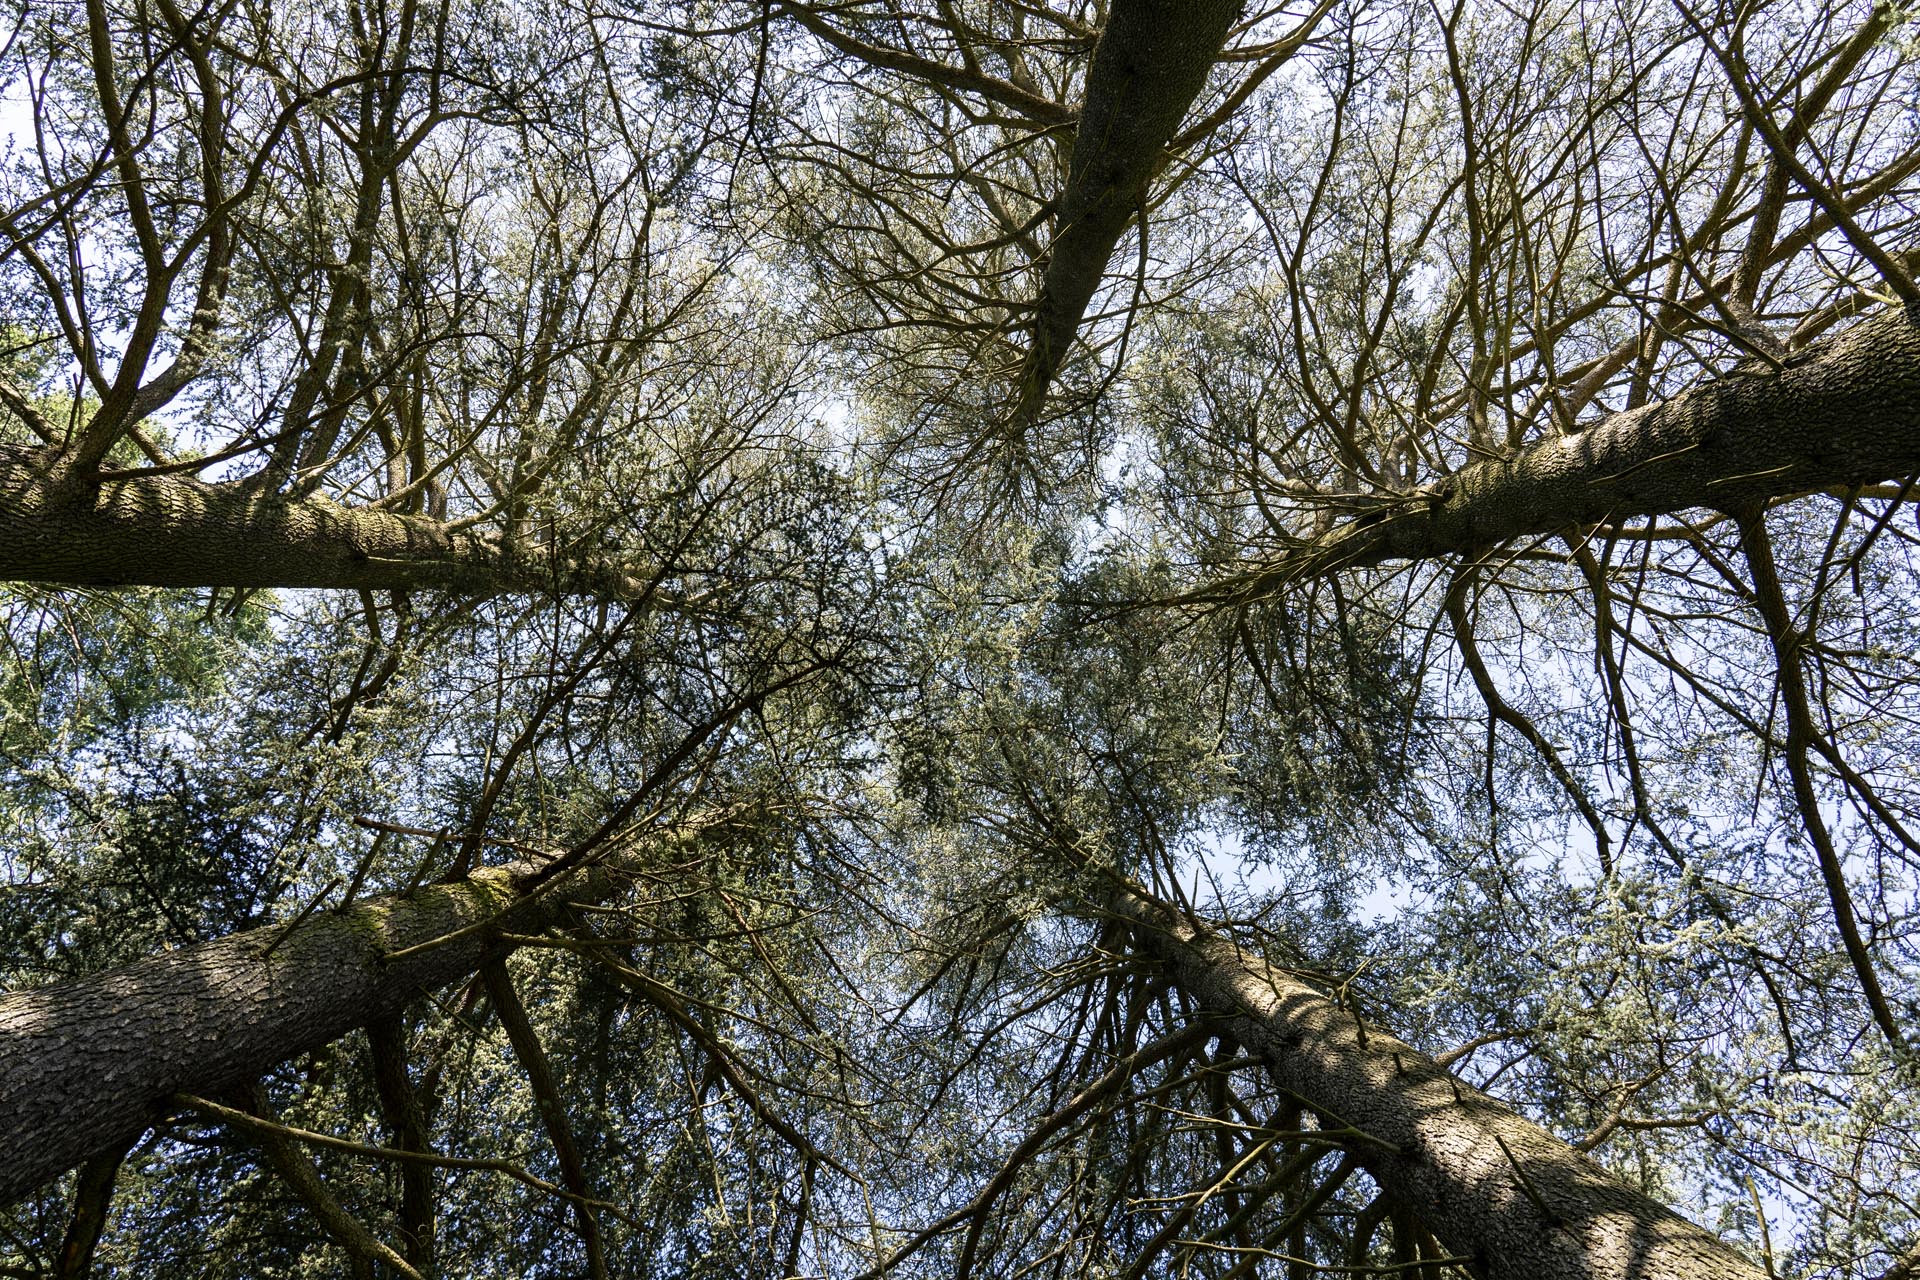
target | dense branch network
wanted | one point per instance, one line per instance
(1031, 926)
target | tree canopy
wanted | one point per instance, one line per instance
(976, 638)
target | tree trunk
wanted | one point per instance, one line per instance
(407, 1126)
(1149, 65)
(1491, 1185)
(92, 1198)
(1846, 411)
(85, 1065)
(175, 531)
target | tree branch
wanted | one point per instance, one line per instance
(553, 1113)
(294, 1168)
(92, 1196)
(962, 79)
(407, 1122)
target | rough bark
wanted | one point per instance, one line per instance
(85, 1065)
(1843, 412)
(175, 531)
(1149, 65)
(1491, 1185)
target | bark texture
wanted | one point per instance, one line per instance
(1149, 65)
(1488, 1183)
(175, 531)
(85, 1065)
(1846, 411)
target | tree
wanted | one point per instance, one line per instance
(949, 544)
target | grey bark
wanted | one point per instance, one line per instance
(1149, 65)
(175, 531)
(1490, 1184)
(85, 1065)
(1843, 412)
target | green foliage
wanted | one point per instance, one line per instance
(701, 300)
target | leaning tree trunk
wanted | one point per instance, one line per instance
(1844, 411)
(1150, 64)
(86, 1065)
(176, 531)
(1491, 1185)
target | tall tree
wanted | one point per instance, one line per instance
(1287, 628)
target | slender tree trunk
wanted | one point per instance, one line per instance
(1845, 411)
(86, 1065)
(1491, 1185)
(525, 1042)
(407, 1124)
(296, 1170)
(175, 531)
(92, 1198)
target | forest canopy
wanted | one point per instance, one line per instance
(963, 638)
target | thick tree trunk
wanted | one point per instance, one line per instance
(84, 1065)
(174, 531)
(1149, 65)
(1491, 1185)
(1846, 411)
